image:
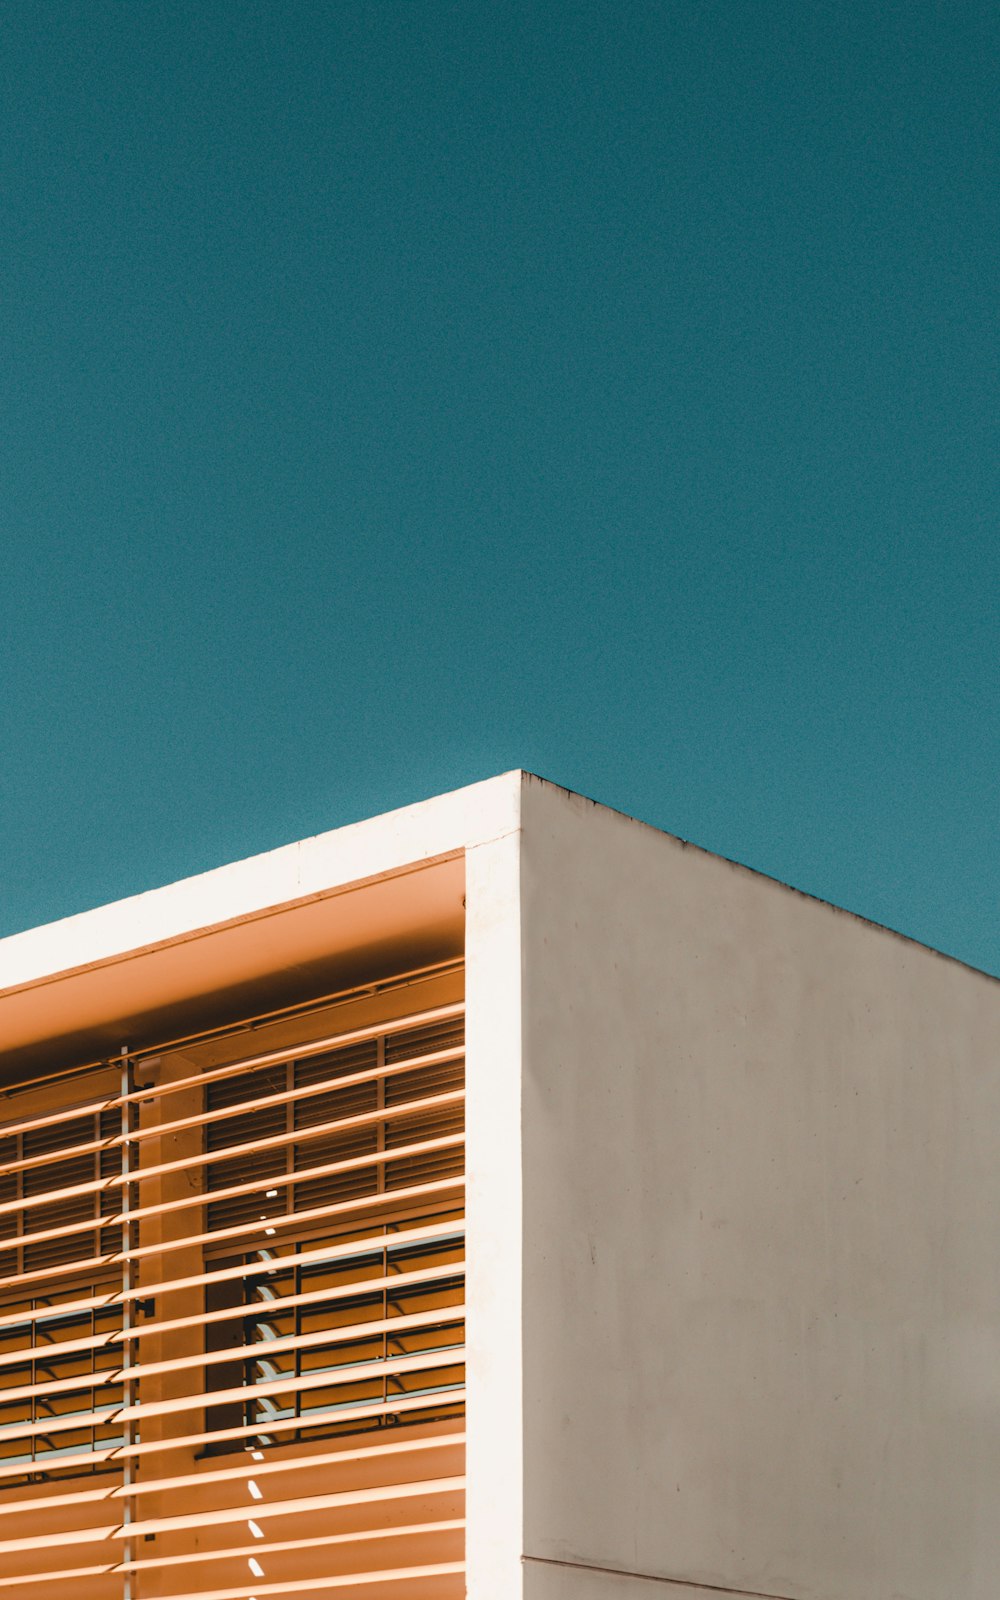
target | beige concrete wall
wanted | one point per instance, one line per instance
(555, 1581)
(761, 1148)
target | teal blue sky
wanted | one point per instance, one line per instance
(393, 394)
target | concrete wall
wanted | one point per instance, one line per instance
(761, 1186)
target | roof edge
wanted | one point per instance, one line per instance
(358, 852)
(577, 797)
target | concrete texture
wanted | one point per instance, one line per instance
(552, 1581)
(761, 1148)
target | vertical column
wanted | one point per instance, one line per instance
(380, 1189)
(494, 1380)
(128, 1311)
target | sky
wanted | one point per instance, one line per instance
(392, 394)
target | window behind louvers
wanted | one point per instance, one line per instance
(381, 1117)
(322, 1337)
(45, 1162)
(341, 1123)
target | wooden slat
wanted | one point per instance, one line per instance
(362, 1372)
(257, 1589)
(265, 1470)
(203, 1197)
(123, 1336)
(51, 1119)
(263, 1350)
(280, 1220)
(260, 1510)
(266, 1510)
(335, 1041)
(242, 1108)
(319, 1130)
(438, 1188)
(398, 1405)
(197, 1557)
(272, 1547)
(393, 1069)
(416, 1019)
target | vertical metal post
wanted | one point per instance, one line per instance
(128, 1311)
(380, 1188)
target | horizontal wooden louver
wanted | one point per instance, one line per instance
(232, 1325)
(42, 1162)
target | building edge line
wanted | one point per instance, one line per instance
(649, 1577)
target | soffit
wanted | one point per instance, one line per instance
(212, 975)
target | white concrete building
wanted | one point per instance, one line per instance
(727, 1315)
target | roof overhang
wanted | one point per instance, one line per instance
(341, 908)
